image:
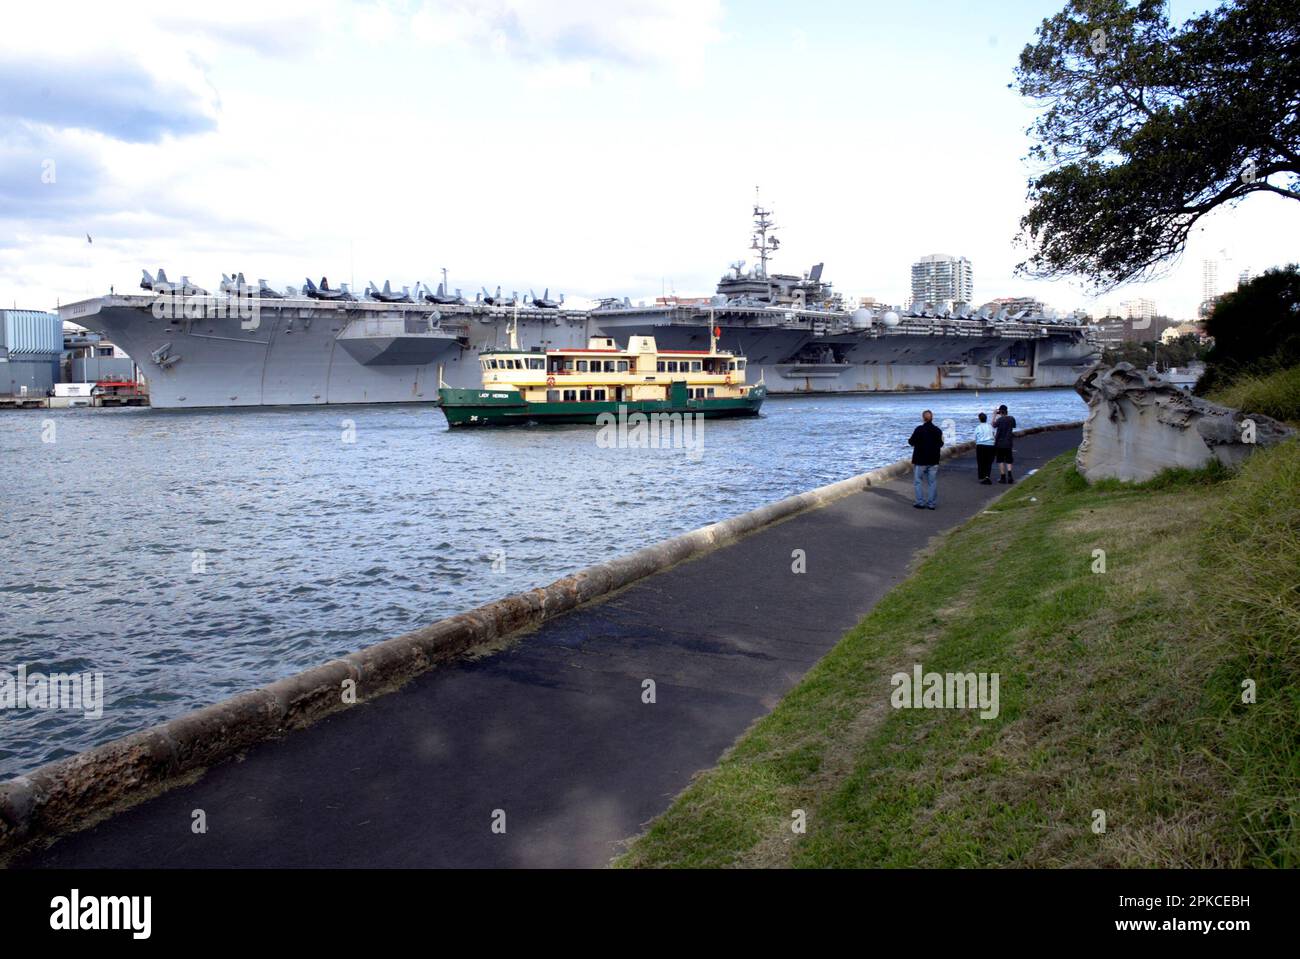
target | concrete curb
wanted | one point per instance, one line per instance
(69, 794)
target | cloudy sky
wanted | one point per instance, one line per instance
(595, 147)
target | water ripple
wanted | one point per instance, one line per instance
(222, 550)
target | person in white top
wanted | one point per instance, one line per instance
(984, 449)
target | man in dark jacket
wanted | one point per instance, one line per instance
(926, 441)
(1004, 425)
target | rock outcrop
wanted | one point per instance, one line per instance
(1139, 424)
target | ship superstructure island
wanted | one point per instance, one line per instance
(252, 345)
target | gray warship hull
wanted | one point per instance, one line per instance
(813, 351)
(301, 351)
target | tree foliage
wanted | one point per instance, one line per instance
(1146, 128)
(1256, 329)
(1178, 353)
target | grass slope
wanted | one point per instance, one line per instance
(1120, 691)
(1275, 394)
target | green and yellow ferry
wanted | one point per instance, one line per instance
(578, 385)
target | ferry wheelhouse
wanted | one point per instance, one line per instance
(577, 385)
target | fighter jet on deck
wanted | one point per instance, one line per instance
(324, 292)
(546, 303)
(386, 295)
(158, 284)
(237, 284)
(442, 297)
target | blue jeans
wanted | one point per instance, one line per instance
(931, 475)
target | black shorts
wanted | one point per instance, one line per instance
(1002, 454)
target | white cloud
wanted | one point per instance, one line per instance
(637, 33)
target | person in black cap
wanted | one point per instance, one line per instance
(926, 442)
(1004, 425)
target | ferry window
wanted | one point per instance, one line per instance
(582, 366)
(568, 364)
(584, 395)
(710, 391)
(552, 396)
(570, 395)
(609, 366)
(672, 366)
(597, 394)
(492, 363)
(741, 364)
(696, 366)
(731, 365)
(622, 366)
(661, 366)
(536, 364)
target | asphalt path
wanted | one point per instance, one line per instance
(546, 754)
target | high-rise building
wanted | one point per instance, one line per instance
(1209, 280)
(1243, 278)
(1138, 309)
(941, 279)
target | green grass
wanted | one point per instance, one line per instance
(1120, 691)
(1275, 394)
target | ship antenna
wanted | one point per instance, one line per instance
(762, 243)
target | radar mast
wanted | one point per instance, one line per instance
(762, 243)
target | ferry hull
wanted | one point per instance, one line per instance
(488, 407)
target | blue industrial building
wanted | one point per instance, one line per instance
(31, 344)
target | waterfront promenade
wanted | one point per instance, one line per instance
(551, 737)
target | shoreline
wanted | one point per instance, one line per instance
(69, 794)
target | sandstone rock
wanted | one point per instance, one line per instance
(1139, 424)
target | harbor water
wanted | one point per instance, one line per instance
(188, 556)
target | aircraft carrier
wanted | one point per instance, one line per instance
(255, 346)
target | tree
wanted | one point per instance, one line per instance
(1129, 351)
(1256, 329)
(1180, 352)
(1147, 128)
